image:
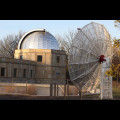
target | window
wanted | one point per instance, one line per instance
(21, 57)
(31, 73)
(39, 58)
(15, 72)
(2, 71)
(58, 59)
(24, 73)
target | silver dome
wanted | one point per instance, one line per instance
(38, 39)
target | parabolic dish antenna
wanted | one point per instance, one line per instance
(91, 47)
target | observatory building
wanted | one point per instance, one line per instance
(37, 60)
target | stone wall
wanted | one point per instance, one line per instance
(45, 72)
(49, 70)
(9, 65)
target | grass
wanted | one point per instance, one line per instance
(116, 90)
(32, 90)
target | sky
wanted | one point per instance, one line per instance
(53, 26)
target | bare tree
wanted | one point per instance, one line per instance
(9, 43)
(65, 43)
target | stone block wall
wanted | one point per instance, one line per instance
(47, 71)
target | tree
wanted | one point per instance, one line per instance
(65, 43)
(117, 23)
(9, 43)
(114, 70)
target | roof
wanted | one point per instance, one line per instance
(38, 39)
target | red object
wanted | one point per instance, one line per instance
(102, 59)
(78, 28)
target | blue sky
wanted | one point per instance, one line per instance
(53, 26)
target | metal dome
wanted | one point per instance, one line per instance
(38, 39)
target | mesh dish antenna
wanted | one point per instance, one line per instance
(89, 57)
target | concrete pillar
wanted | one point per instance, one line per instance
(80, 93)
(57, 90)
(65, 91)
(51, 90)
(68, 90)
(26, 85)
(54, 89)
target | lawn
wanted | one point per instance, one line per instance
(116, 90)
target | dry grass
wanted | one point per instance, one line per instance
(115, 84)
(72, 90)
(31, 90)
(116, 89)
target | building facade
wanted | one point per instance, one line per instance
(37, 60)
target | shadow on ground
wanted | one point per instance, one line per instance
(32, 97)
